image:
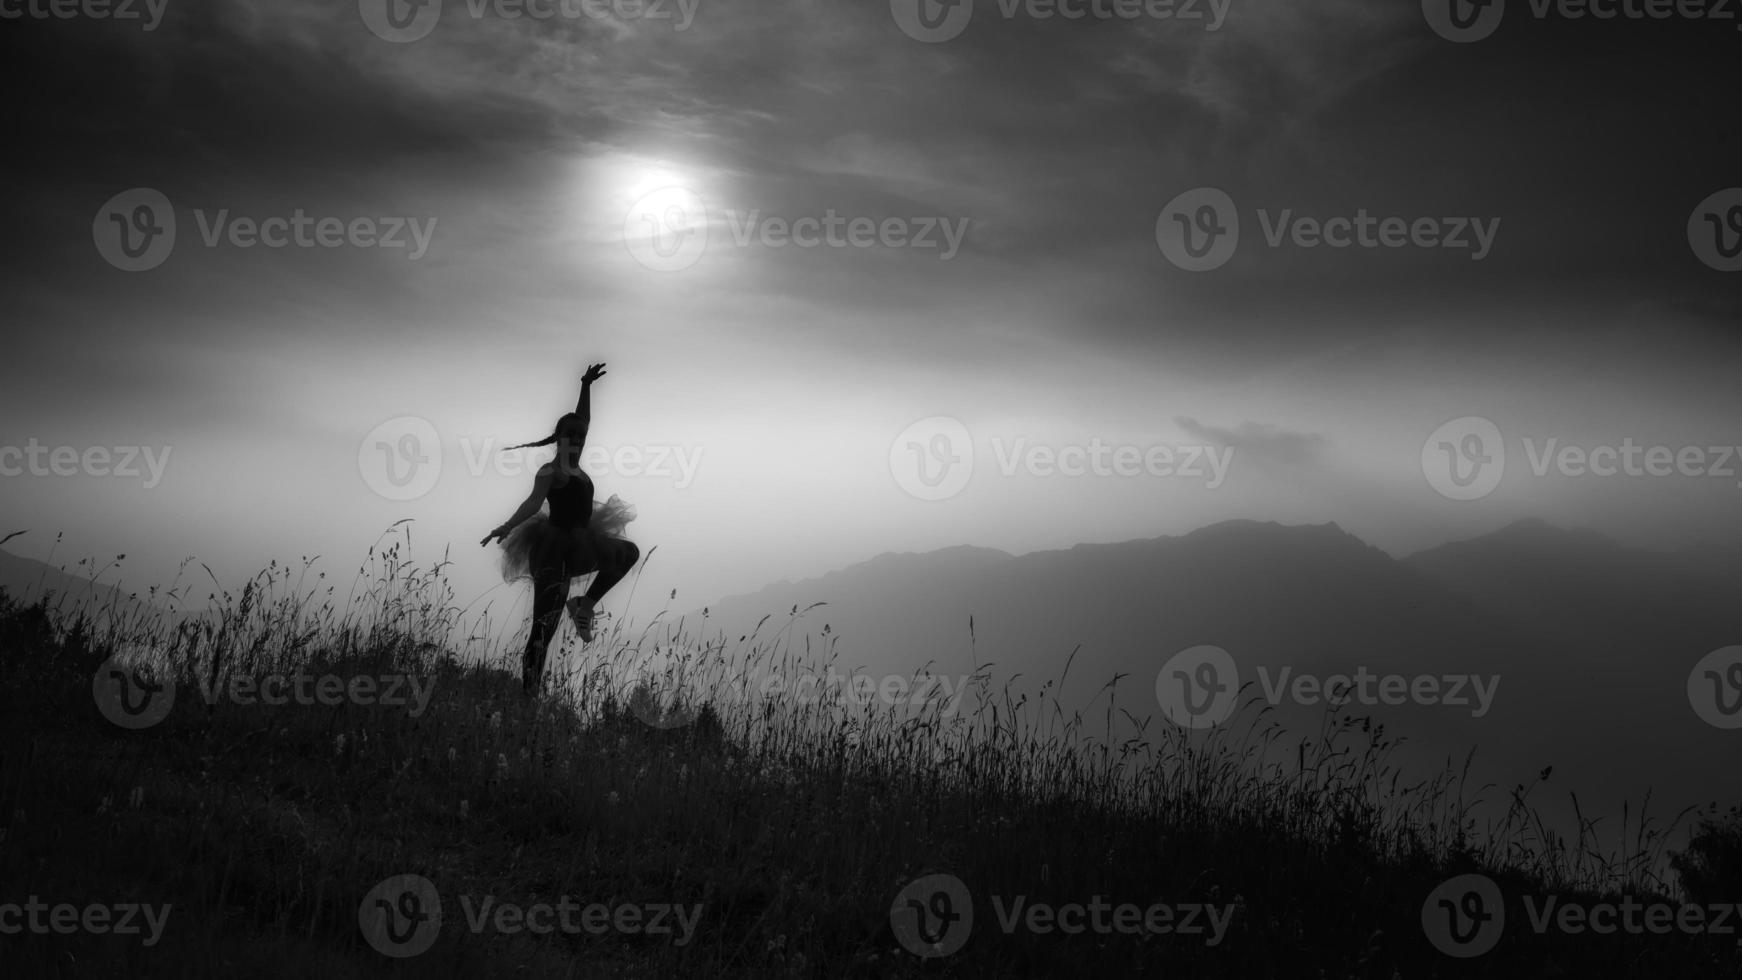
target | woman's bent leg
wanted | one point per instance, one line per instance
(616, 557)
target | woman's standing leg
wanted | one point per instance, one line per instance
(550, 589)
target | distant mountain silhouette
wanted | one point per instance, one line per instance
(1592, 640)
(1259, 587)
(1588, 584)
(26, 579)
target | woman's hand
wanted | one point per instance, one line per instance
(594, 373)
(495, 535)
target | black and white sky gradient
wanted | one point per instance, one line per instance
(785, 373)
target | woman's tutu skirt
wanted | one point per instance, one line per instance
(540, 544)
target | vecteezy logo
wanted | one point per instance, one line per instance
(400, 21)
(1715, 230)
(667, 229)
(1465, 458)
(1464, 916)
(1199, 230)
(401, 459)
(933, 459)
(130, 693)
(933, 916)
(402, 916)
(135, 230)
(1715, 687)
(1463, 21)
(1198, 686)
(932, 21)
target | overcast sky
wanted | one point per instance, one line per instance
(580, 189)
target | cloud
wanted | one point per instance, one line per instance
(1259, 439)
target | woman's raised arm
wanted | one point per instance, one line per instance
(584, 405)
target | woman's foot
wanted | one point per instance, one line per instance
(581, 611)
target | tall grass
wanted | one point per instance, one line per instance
(657, 769)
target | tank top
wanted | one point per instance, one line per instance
(571, 505)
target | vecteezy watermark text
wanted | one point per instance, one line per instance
(36, 916)
(1465, 459)
(1466, 21)
(661, 703)
(933, 917)
(402, 917)
(836, 231)
(934, 459)
(409, 691)
(404, 21)
(402, 459)
(136, 231)
(855, 689)
(149, 13)
(669, 230)
(1197, 688)
(1465, 916)
(1200, 230)
(573, 918)
(35, 459)
(134, 692)
(936, 21)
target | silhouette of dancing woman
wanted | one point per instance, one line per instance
(577, 536)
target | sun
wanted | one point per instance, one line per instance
(660, 209)
(647, 180)
(621, 180)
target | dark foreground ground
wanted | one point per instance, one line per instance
(279, 838)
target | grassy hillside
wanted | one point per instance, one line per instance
(773, 836)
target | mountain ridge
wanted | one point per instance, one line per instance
(1575, 629)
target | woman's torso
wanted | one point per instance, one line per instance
(571, 499)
